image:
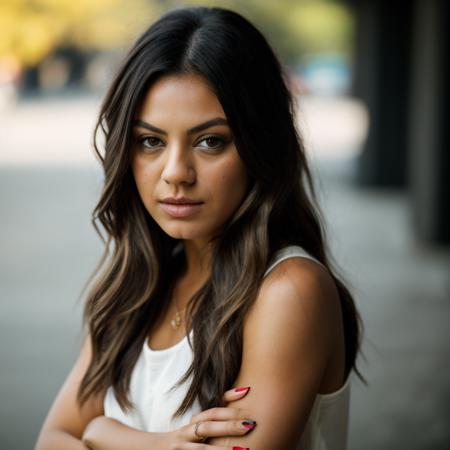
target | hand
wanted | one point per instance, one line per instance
(218, 421)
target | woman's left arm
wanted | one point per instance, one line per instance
(288, 339)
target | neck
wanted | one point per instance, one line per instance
(198, 260)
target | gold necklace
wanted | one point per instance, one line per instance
(176, 321)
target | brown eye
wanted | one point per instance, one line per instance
(213, 142)
(149, 141)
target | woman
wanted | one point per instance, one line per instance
(218, 275)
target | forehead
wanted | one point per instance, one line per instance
(179, 95)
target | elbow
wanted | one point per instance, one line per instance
(89, 433)
(88, 442)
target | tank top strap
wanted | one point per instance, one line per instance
(290, 251)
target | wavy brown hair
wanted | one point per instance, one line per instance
(135, 275)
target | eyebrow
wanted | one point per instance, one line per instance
(202, 126)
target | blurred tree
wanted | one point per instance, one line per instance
(31, 29)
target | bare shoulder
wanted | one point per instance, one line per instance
(294, 318)
(301, 287)
(299, 273)
(287, 344)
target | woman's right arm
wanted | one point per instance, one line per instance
(66, 421)
(68, 427)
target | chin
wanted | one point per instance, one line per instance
(185, 231)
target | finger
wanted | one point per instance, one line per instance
(235, 393)
(194, 446)
(221, 413)
(221, 428)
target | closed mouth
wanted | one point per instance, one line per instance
(180, 201)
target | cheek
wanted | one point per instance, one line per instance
(143, 174)
(144, 180)
(232, 182)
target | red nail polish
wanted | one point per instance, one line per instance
(241, 448)
(249, 424)
(242, 389)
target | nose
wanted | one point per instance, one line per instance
(178, 167)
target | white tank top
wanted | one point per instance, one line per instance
(156, 371)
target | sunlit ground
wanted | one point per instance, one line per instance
(49, 183)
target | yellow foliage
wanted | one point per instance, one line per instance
(32, 29)
(321, 25)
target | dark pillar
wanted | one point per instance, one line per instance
(429, 130)
(382, 61)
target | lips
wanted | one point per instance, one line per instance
(180, 207)
(180, 201)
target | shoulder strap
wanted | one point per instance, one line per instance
(290, 251)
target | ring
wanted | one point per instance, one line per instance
(202, 438)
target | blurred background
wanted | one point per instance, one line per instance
(371, 77)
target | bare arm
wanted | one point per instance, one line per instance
(287, 343)
(65, 421)
(103, 433)
(69, 427)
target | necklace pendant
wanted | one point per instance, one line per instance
(176, 322)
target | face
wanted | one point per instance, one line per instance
(187, 170)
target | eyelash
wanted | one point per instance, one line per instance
(221, 142)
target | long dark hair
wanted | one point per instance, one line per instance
(130, 292)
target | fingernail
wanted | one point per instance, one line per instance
(249, 424)
(241, 448)
(242, 389)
